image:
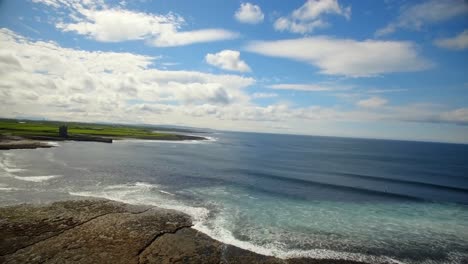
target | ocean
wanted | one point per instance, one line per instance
(281, 195)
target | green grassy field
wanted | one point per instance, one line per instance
(50, 128)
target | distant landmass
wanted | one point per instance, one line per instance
(21, 133)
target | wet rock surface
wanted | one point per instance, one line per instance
(101, 231)
(19, 143)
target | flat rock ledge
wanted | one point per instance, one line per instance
(102, 231)
(23, 144)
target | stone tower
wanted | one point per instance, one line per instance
(63, 131)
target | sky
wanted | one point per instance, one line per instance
(390, 69)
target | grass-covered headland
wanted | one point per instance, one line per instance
(14, 130)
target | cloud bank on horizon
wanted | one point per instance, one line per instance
(326, 67)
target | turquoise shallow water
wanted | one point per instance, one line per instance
(275, 194)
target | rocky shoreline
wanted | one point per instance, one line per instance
(23, 144)
(102, 231)
(33, 142)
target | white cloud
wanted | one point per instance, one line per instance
(106, 24)
(114, 25)
(313, 9)
(264, 95)
(459, 42)
(100, 84)
(43, 78)
(53, 3)
(227, 60)
(249, 13)
(372, 102)
(458, 116)
(304, 87)
(307, 18)
(346, 56)
(286, 24)
(414, 17)
(170, 39)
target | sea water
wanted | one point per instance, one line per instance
(281, 195)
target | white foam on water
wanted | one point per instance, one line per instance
(11, 170)
(7, 165)
(207, 138)
(52, 143)
(144, 184)
(161, 191)
(142, 193)
(50, 156)
(221, 234)
(135, 140)
(330, 254)
(8, 189)
(36, 178)
(5, 188)
(211, 139)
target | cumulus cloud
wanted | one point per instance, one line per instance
(249, 13)
(372, 102)
(312, 9)
(415, 17)
(101, 84)
(459, 42)
(43, 78)
(346, 56)
(100, 22)
(227, 60)
(308, 17)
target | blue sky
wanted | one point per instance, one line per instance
(379, 69)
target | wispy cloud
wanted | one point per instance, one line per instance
(459, 42)
(372, 102)
(377, 91)
(415, 17)
(307, 87)
(346, 57)
(264, 95)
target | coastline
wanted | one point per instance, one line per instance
(30, 134)
(23, 144)
(103, 231)
(34, 142)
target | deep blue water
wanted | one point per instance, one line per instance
(280, 195)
